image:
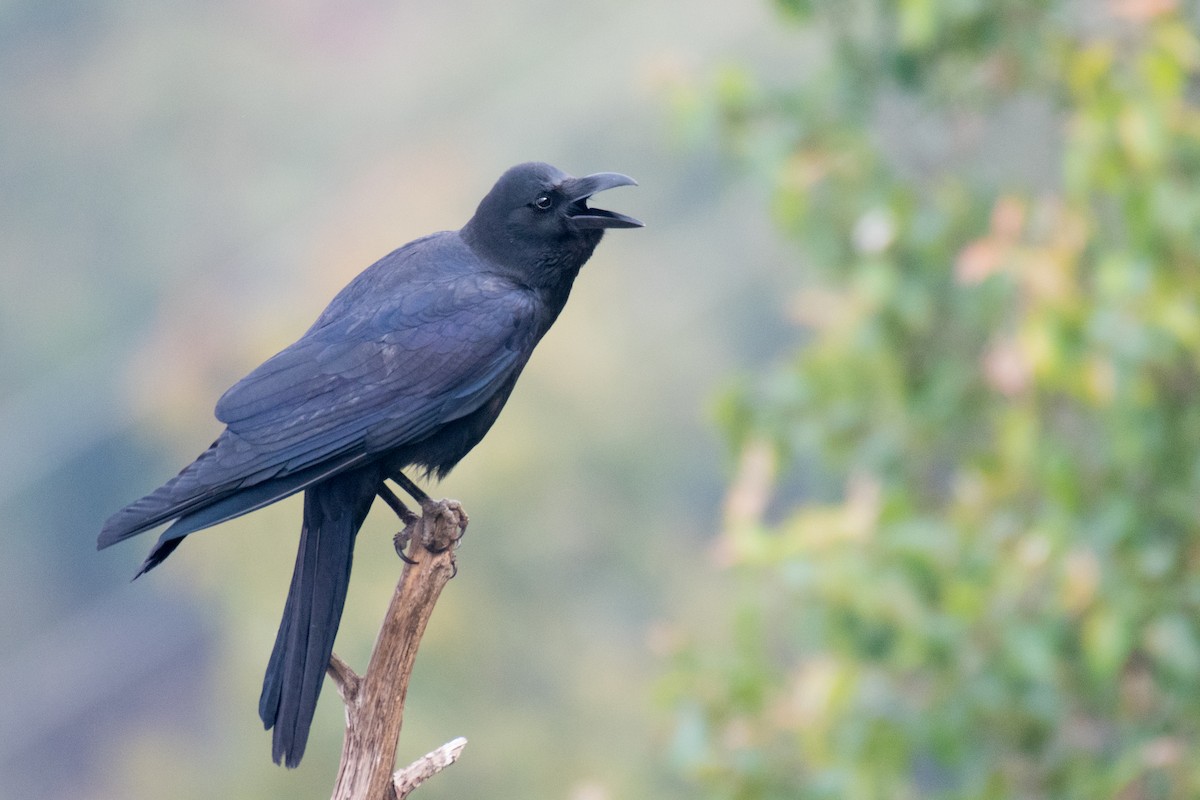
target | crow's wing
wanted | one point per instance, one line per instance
(384, 378)
(361, 383)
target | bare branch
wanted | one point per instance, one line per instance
(426, 767)
(375, 709)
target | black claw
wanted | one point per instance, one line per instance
(400, 541)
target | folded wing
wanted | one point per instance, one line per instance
(357, 386)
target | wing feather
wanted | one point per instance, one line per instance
(434, 356)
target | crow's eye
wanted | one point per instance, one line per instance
(543, 202)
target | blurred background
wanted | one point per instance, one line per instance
(869, 469)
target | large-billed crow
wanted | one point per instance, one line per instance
(409, 366)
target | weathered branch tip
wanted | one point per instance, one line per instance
(427, 766)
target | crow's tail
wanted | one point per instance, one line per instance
(334, 510)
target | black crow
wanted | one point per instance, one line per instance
(409, 366)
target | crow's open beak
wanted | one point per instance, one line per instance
(579, 190)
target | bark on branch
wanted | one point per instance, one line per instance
(375, 701)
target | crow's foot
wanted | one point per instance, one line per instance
(439, 528)
(449, 523)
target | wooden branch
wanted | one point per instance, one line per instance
(427, 766)
(375, 702)
(345, 678)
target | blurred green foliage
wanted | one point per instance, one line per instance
(990, 588)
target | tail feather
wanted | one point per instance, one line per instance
(334, 510)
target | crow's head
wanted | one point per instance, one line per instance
(536, 219)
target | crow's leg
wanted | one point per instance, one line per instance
(396, 504)
(412, 489)
(403, 537)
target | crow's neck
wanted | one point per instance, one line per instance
(548, 268)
